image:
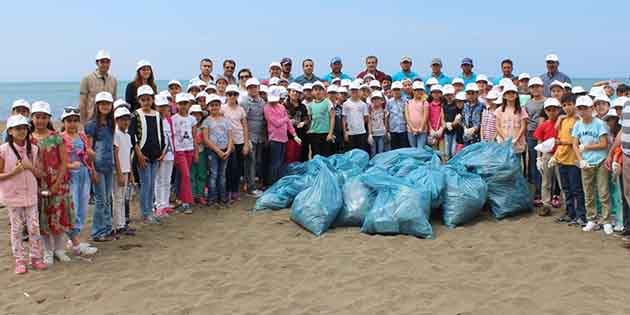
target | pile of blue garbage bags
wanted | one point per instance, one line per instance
(396, 192)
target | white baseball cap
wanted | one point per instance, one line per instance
(145, 90)
(251, 81)
(120, 102)
(505, 81)
(552, 57)
(307, 86)
(318, 83)
(556, 83)
(535, 81)
(20, 103)
(180, 97)
(584, 100)
(359, 80)
(143, 63)
(482, 77)
(552, 102)
(492, 95)
(122, 111)
(275, 64)
(355, 86)
(578, 90)
(232, 88)
(103, 97)
(165, 93)
(214, 98)
(102, 54)
(448, 89)
(611, 113)
(620, 101)
(432, 81)
(274, 81)
(282, 80)
(602, 98)
(375, 83)
(192, 85)
(70, 111)
(510, 88)
(196, 108)
(200, 95)
(376, 94)
(192, 98)
(472, 87)
(596, 90)
(437, 88)
(567, 85)
(17, 120)
(368, 75)
(346, 82)
(295, 87)
(174, 82)
(335, 80)
(211, 87)
(40, 107)
(417, 86)
(457, 81)
(162, 100)
(498, 101)
(331, 89)
(273, 98)
(263, 89)
(342, 89)
(460, 96)
(396, 85)
(524, 76)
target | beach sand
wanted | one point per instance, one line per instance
(231, 261)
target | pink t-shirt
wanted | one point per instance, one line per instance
(235, 116)
(435, 115)
(278, 123)
(511, 124)
(416, 110)
(21, 189)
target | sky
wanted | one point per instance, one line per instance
(57, 40)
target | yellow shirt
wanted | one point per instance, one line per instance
(564, 153)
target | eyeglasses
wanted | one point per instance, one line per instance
(69, 110)
(243, 77)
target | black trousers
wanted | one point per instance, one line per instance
(399, 140)
(319, 145)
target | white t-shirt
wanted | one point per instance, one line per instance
(168, 141)
(182, 127)
(355, 113)
(122, 141)
(235, 116)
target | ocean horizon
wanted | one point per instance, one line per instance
(60, 94)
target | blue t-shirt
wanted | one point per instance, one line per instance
(442, 79)
(329, 77)
(590, 134)
(401, 75)
(470, 79)
(103, 145)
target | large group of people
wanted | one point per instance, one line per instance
(220, 135)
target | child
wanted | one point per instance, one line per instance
(545, 131)
(199, 171)
(436, 117)
(612, 123)
(488, 119)
(396, 124)
(450, 112)
(18, 191)
(416, 115)
(565, 158)
(122, 160)
(165, 170)
(185, 150)
(254, 109)
(338, 145)
(100, 132)
(146, 130)
(174, 88)
(55, 201)
(511, 120)
(278, 126)
(590, 143)
(81, 171)
(322, 117)
(237, 117)
(355, 117)
(557, 89)
(601, 104)
(378, 118)
(217, 136)
(458, 122)
(472, 115)
(19, 107)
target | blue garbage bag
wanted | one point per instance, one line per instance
(431, 178)
(316, 207)
(407, 158)
(464, 196)
(352, 159)
(358, 198)
(399, 208)
(509, 197)
(281, 194)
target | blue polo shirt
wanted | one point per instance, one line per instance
(443, 79)
(547, 78)
(330, 76)
(401, 75)
(303, 79)
(498, 79)
(470, 79)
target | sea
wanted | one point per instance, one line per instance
(64, 94)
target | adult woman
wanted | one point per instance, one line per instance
(299, 119)
(144, 76)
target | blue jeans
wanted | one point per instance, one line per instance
(571, 179)
(80, 189)
(216, 178)
(253, 165)
(417, 141)
(532, 172)
(102, 216)
(451, 144)
(277, 149)
(379, 145)
(147, 186)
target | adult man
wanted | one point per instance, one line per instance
(553, 74)
(229, 66)
(287, 65)
(371, 62)
(307, 77)
(507, 66)
(335, 67)
(205, 66)
(98, 81)
(256, 125)
(405, 70)
(436, 72)
(467, 74)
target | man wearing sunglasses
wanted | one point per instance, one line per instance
(229, 66)
(98, 81)
(553, 74)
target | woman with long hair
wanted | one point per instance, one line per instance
(144, 76)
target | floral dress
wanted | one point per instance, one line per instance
(55, 211)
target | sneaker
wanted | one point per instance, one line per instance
(555, 202)
(62, 256)
(84, 249)
(618, 228)
(581, 222)
(48, 257)
(608, 229)
(563, 219)
(573, 222)
(254, 193)
(151, 220)
(20, 267)
(38, 264)
(590, 226)
(186, 208)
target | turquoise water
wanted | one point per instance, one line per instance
(62, 94)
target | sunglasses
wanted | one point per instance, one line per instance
(70, 110)
(229, 67)
(231, 94)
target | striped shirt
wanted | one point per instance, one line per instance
(488, 125)
(625, 129)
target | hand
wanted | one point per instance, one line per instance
(346, 138)
(552, 162)
(388, 136)
(298, 140)
(514, 140)
(608, 163)
(582, 147)
(583, 164)
(95, 178)
(19, 167)
(449, 126)
(142, 160)
(370, 140)
(330, 138)
(458, 118)
(195, 158)
(301, 124)
(540, 164)
(616, 169)
(245, 150)
(121, 179)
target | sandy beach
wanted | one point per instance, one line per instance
(233, 262)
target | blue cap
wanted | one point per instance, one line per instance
(467, 61)
(335, 60)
